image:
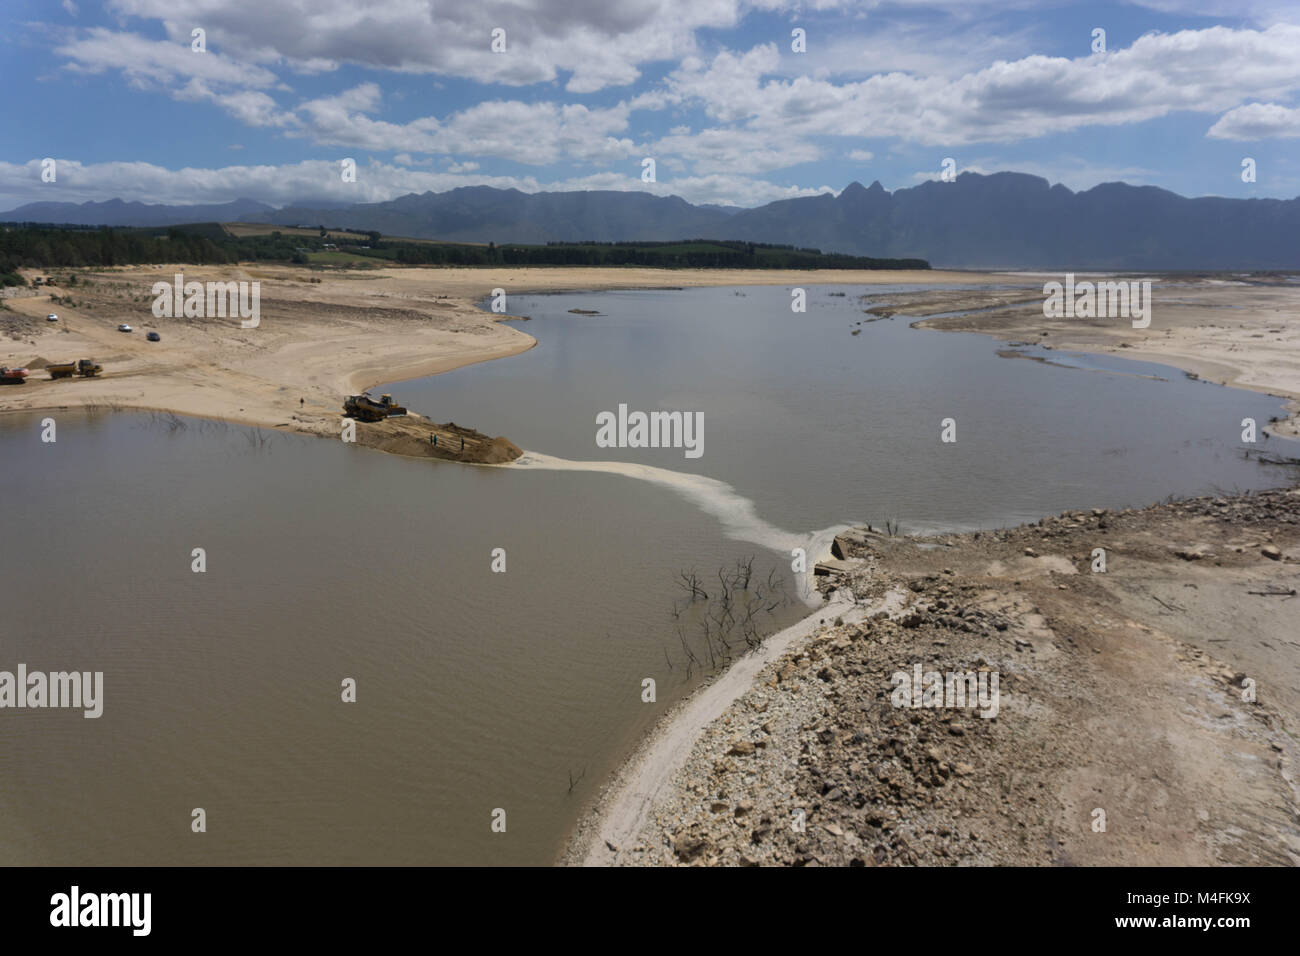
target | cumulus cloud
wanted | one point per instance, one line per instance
(158, 61)
(1200, 70)
(319, 180)
(250, 107)
(598, 42)
(535, 134)
(752, 112)
(1257, 121)
(1069, 171)
(738, 151)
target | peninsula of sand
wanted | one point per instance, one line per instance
(326, 334)
(322, 335)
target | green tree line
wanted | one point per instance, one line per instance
(35, 246)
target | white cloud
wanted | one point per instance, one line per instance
(920, 81)
(250, 107)
(600, 42)
(158, 61)
(1265, 12)
(1199, 70)
(1070, 171)
(1257, 121)
(536, 134)
(319, 179)
(737, 151)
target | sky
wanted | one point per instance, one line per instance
(1172, 93)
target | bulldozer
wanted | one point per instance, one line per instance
(364, 408)
(86, 368)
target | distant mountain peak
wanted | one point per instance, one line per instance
(981, 221)
(856, 193)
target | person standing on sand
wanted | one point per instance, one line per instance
(462, 444)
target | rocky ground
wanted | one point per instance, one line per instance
(1125, 733)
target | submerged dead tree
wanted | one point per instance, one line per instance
(729, 618)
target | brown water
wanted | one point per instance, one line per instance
(478, 690)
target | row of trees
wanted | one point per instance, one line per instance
(30, 245)
(45, 247)
(696, 255)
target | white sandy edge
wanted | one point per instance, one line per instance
(624, 807)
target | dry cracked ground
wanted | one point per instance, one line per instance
(1125, 732)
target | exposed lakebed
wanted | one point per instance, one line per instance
(479, 690)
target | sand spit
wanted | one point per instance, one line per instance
(323, 335)
(739, 519)
(1244, 333)
(1126, 732)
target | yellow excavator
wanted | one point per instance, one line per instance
(364, 408)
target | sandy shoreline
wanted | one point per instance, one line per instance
(327, 335)
(351, 331)
(1241, 333)
(322, 336)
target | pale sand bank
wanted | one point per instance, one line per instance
(318, 340)
(1244, 334)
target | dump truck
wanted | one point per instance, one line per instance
(364, 408)
(86, 368)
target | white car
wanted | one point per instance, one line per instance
(125, 328)
(51, 318)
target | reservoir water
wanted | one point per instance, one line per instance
(479, 691)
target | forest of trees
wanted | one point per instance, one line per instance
(692, 254)
(34, 246)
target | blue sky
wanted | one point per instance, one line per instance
(585, 89)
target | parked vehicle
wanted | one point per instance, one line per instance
(51, 318)
(154, 337)
(13, 376)
(124, 328)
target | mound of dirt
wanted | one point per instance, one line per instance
(410, 435)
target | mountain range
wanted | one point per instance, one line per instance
(117, 212)
(1002, 220)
